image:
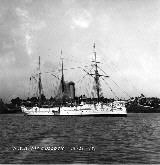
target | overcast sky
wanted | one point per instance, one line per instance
(126, 33)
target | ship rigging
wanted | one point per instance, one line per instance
(98, 108)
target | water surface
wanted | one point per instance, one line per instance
(59, 139)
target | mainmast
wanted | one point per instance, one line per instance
(39, 83)
(62, 78)
(96, 73)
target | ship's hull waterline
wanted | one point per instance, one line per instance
(85, 110)
(89, 115)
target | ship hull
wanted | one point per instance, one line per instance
(83, 110)
(89, 115)
(36, 111)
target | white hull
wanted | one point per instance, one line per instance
(112, 109)
(36, 111)
(95, 110)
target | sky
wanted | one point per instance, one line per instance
(126, 33)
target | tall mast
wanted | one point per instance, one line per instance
(39, 83)
(96, 73)
(62, 79)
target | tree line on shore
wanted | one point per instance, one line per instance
(132, 104)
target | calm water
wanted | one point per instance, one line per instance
(44, 139)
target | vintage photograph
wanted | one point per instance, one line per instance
(79, 81)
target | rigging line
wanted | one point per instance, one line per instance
(49, 71)
(54, 76)
(121, 89)
(74, 68)
(82, 78)
(90, 82)
(113, 68)
(86, 66)
(33, 86)
(88, 73)
(110, 88)
(117, 70)
(116, 83)
(34, 75)
(87, 92)
(84, 75)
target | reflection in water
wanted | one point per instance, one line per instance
(44, 139)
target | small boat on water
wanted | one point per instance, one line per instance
(98, 108)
